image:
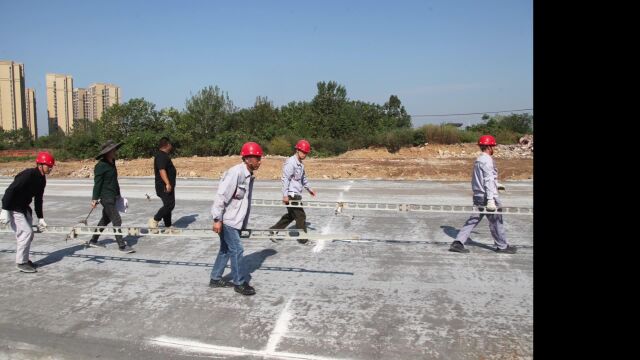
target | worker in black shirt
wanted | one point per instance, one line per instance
(16, 209)
(165, 174)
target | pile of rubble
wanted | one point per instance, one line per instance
(527, 141)
(84, 172)
(523, 150)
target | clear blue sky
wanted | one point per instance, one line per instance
(439, 57)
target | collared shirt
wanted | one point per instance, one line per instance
(233, 198)
(26, 185)
(105, 180)
(484, 181)
(293, 177)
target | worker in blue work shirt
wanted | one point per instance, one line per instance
(29, 184)
(230, 212)
(484, 184)
(294, 180)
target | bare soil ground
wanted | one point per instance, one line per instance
(429, 162)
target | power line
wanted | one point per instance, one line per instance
(476, 113)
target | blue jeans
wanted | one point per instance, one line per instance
(230, 249)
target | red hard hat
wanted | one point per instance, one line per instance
(487, 140)
(45, 158)
(304, 146)
(251, 148)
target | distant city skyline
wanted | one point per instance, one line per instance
(438, 57)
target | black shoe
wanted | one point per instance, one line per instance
(457, 246)
(26, 268)
(509, 250)
(32, 264)
(303, 241)
(220, 283)
(127, 249)
(96, 244)
(244, 289)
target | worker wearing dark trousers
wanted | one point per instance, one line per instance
(165, 174)
(106, 190)
(164, 213)
(16, 209)
(293, 213)
(294, 180)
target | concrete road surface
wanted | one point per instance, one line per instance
(399, 295)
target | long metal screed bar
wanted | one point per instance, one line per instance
(339, 206)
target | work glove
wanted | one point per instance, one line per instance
(4, 217)
(491, 205)
(42, 225)
(501, 187)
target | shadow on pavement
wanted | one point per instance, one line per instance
(58, 255)
(184, 221)
(453, 232)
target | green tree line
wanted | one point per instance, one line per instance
(212, 125)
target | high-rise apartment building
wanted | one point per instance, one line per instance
(60, 102)
(12, 93)
(30, 113)
(91, 103)
(80, 104)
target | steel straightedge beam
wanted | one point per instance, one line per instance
(339, 206)
(73, 232)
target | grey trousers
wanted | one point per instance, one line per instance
(496, 225)
(21, 225)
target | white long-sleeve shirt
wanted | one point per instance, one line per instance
(232, 204)
(293, 177)
(484, 181)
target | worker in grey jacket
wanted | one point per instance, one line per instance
(230, 212)
(294, 180)
(484, 184)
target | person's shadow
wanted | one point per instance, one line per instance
(58, 255)
(453, 232)
(184, 221)
(253, 262)
(54, 257)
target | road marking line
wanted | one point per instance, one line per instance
(199, 347)
(280, 329)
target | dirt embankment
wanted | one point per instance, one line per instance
(428, 162)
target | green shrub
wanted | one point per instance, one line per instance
(17, 158)
(396, 139)
(441, 134)
(64, 155)
(324, 147)
(505, 137)
(81, 146)
(419, 137)
(279, 145)
(139, 144)
(467, 136)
